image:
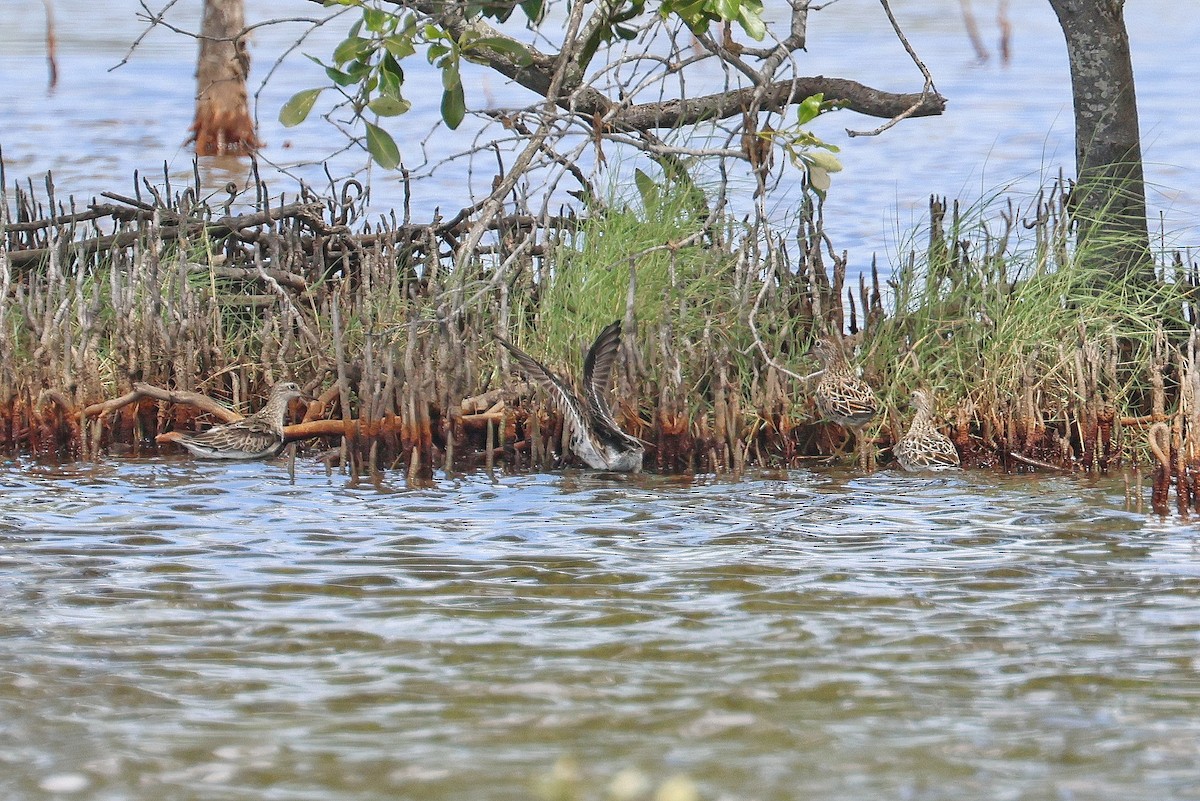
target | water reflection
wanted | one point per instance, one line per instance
(182, 629)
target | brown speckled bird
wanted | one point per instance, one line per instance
(259, 436)
(595, 436)
(924, 447)
(841, 395)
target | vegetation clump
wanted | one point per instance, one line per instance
(1036, 358)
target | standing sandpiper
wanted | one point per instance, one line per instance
(259, 436)
(924, 447)
(842, 396)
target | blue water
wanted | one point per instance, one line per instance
(176, 629)
(1007, 127)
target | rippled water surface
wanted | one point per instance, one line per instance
(174, 629)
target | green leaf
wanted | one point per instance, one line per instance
(357, 70)
(826, 161)
(298, 106)
(389, 106)
(818, 179)
(514, 50)
(497, 11)
(591, 45)
(645, 187)
(375, 19)
(454, 106)
(350, 48)
(391, 76)
(399, 45)
(382, 147)
(751, 20)
(693, 13)
(451, 78)
(636, 7)
(533, 9)
(339, 77)
(809, 109)
(727, 10)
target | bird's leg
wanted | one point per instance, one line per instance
(839, 451)
(860, 447)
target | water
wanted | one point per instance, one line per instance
(175, 629)
(1007, 128)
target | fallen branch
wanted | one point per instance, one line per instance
(239, 227)
(487, 402)
(140, 391)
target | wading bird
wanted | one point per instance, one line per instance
(259, 436)
(595, 436)
(924, 447)
(841, 395)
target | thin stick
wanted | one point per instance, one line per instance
(1036, 462)
(925, 92)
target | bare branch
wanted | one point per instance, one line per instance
(723, 105)
(154, 19)
(140, 391)
(926, 93)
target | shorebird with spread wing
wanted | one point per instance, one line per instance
(595, 436)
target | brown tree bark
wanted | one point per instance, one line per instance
(223, 125)
(1109, 199)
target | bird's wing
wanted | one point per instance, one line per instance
(564, 397)
(848, 397)
(597, 372)
(252, 436)
(943, 453)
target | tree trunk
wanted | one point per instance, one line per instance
(223, 124)
(1109, 199)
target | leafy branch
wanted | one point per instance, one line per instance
(367, 71)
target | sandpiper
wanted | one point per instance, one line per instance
(595, 436)
(924, 447)
(841, 395)
(259, 436)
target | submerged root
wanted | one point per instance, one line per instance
(1159, 440)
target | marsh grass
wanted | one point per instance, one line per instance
(1030, 340)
